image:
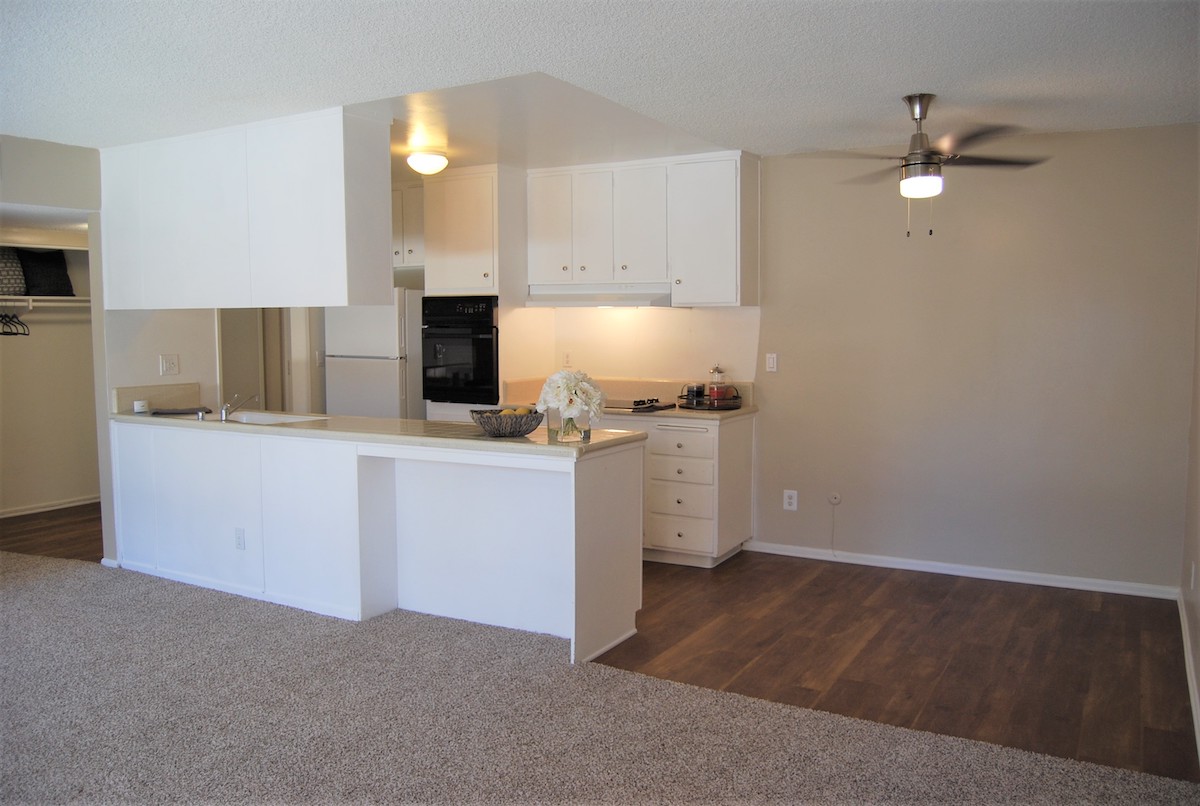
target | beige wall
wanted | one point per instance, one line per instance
(1010, 393)
(1190, 592)
(135, 339)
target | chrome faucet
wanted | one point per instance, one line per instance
(234, 405)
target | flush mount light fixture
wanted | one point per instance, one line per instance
(427, 162)
(920, 180)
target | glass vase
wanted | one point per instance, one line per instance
(568, 429)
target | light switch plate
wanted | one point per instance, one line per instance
(168, 364)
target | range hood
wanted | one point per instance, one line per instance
(599, 295)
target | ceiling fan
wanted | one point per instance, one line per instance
(921, 167)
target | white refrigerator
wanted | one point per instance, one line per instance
(367, 366)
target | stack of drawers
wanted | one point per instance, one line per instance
(681, 487)
(698, 485)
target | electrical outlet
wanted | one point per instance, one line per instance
(239, 538)
(168, 364)
(567, 360)
(790, 500)
(772, 362)
(835, 498)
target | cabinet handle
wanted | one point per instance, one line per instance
(566, 268)
(679, 534)
(486, 275)
(410, 251)
(396, 252)
(679, 282)
(583, 268)
(678, 500)
(679, 445)
(624, 268)
(679, 471)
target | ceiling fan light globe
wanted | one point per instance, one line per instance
(427, 162)
(921, 187)
(920, 180)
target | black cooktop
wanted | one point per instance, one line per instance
(637, 406)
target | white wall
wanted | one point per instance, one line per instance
(48, 455)
(1012, 392)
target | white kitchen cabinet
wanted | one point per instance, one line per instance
(639, 223)
(698, 485)
(712, 231)
(287, 528)
(175, 223)
(165, 483)
(571, 227)
(475, 233)
(284, 213)
(598, 226)
(408, 226)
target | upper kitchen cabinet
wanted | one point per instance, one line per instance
(712, 230)
(598, 226)
(475, 233)
(408, 226)
(293, 212)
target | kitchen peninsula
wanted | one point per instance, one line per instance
(355, 516)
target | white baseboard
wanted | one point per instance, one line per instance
(48, 506)
(973, 571)
(107, 563)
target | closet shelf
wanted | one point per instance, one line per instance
(29, 303)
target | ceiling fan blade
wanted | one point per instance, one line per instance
(872, 178)
(853, 155)
(953, 142)
(994, 162)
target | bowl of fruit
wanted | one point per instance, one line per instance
(514, 422)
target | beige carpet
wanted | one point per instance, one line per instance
(116, 687)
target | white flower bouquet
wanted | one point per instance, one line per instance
(573, 394)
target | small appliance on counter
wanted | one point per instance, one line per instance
(716, 395)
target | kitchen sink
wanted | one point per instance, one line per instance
(271, 417)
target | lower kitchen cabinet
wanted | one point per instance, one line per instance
(286, 529)
(697, 484)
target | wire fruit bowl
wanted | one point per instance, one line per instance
(495, 424)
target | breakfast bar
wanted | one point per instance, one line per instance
(355, 516)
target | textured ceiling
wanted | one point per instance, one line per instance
(768, 76)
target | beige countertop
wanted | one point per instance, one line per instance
(690, 414)
(428, 433)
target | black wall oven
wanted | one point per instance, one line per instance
(460, 350)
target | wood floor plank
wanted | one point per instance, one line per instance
(1077, 674)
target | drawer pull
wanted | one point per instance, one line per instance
(679, 445)
(679, 471)
(678, 500)
(679, 534)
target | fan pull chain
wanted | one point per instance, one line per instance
(931, 216)
(908, 219)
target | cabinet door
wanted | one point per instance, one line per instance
(412, 225)
(460, 233)
(310, 525)
(549, 225)
(218, 547)
(640, 224)
(592, 226)
(121, 245)
(133, 495)
(298, 211)
(194, 231)
(702, 233)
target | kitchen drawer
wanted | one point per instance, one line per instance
(679, 468)
(671, 498)
(682, 440)
(679, 534)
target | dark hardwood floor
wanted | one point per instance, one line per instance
(1091, 676)
(72, 533)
